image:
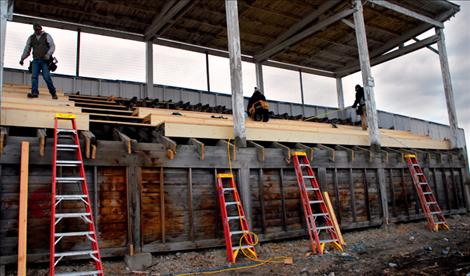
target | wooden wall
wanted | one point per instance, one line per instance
(159, 205)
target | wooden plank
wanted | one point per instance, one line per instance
(23, 209)
(405, 193)
(190, 204)
(129, 143)
(331, 211)
(38, 119)
(331, 151)
(261, 200)
(229, 148)
(259, 150)
(392, 193)
(351, 153)
(371, 153)
(3, 138)
(169, 144)
(162, 205)
(119, 123)
(199, 147)
(366, 195)
(36, 107)
(41, 134)
(285, 150)
(352, 195)
(283, 200)
(90, 140)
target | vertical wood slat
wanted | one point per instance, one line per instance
(261, 201)
(392, 193)
(337, 201)
(162, 204)
(352, 196)
(217, 207)
(366, 195)
(23, 209)
(446, 189)
(283, 200)
(434, 179)
(137, 210)
(466, 203)
(454, 189)
(405, 194)
(95, 198)
(190, 204)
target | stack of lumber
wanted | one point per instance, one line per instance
(19, 110)
(177, 123)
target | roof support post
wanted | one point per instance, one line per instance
(367, 79)
(339, 91)
(302, 92)
(233, 36)
(208, 76)
(149, 68)
(259, 76)
(6, 11)
(454, 128)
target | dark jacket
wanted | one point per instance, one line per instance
(257, 96)
(360, 100)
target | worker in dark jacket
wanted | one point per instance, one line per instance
(360, 105)
(258, 108)
(43, 47)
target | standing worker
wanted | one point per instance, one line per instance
(258, 107)
(43, 47)
(360, 105)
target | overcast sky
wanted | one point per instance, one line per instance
(409, 85)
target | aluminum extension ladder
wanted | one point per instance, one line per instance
(428, 202)
(68, 157)
(320, 226)
(233, 218)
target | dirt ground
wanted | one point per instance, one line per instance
(401, 249)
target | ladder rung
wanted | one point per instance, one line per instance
(80, 273)
(73, 234)
(70, 197)
(234, 217)
(71, 215)
(242, 247)
(328, 241)
(308, 176)
(440, 222)
(232, 203)
(68, 163)
(324, 227)
(431, 202)
(427, 193)
(228, 189)
(434, 213)
(312, 189)
(303, 165)
(69, 179)
(239, 232)
(423, 183)
(315, 201)
(67, 146)
(64, 130)
(419, 173)
(319, 214)
(75, 253)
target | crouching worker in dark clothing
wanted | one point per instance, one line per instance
(360, 105)
(258, 108)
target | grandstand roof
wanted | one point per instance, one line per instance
(316, 36)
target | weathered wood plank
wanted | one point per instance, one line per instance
(199, 147)
(23, 212)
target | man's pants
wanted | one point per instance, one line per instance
(38, 66)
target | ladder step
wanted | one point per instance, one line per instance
(70, 197)
(68, 163)
(69, 179)
(67, 146)
(234, 217)
(315, 201)
(312, 189)
(434, 213)
(80, 273)
(431, 202)
(232, 203)
(440, 222)
(324, 227)
(242, 247)
(423, 183)
(328, 241)
(229, 189)
(427, 193)
(239, 232)
(74, 234)
(71, 215)
(75, 253)
(419, 173)
(308, 176)
(319, 214)
(303, 165)
(63, 130)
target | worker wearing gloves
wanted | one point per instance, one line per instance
(258, 108)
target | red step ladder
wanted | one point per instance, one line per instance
(68, 157)
(428, 202)
(319, 223)
(233, 218)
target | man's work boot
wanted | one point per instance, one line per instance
(31, 95)
(54, 96)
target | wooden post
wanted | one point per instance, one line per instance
(454, 128)
(233, 35)
(23, 212)
(367, 79)
(259, 76)
(77, 60)
(5, 11)
(149, 68)
(331, 211)
(301, 92)
(339, 91)
(208, 78)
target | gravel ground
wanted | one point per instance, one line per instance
(401, 249)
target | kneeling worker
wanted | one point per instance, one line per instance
(258, 107)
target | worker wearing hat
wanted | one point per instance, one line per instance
(360, 105)
(258, 108)
(43, 47)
